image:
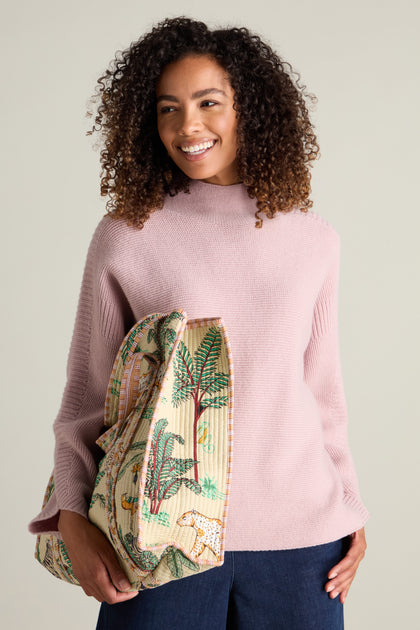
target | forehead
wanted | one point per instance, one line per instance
(191, 74)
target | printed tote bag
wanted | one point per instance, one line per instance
(161, 493)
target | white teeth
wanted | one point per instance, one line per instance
(198, 147)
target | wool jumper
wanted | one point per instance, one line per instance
(293, 480)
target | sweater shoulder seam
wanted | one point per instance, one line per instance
(319, 219)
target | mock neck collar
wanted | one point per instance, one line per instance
(214, 201)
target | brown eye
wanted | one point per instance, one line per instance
(166, 109)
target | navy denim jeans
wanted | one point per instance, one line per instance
(252, 590)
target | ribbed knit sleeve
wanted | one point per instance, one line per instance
(323, 375)
(102, 318)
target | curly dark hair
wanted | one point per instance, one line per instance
(276, 140)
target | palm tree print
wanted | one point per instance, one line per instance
(196, 378)
(164, 472)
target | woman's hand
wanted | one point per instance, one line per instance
(342, 574)
(93, 559)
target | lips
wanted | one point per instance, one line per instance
(198, 147)
(198, 150)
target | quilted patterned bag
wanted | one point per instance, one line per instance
(161, 493)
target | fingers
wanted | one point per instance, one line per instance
(347, 563)
(340, 585)
(98, 583)
(115, 574)
(93, 560)
(342, 574)
(107, 581)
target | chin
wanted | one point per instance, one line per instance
(195, 173)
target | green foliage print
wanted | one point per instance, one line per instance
(97, 497)
(111, 481)
(51, 562)
(175, 559)
(66, 559)
(146, 560)
(164, 472)
(196, 378)
(135, 461)
(162, 518)
(115, 387)
(99, 476)
(209, 488)
(125, 350)
(166, 334)
(163, 335)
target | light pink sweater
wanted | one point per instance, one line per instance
(276, 288)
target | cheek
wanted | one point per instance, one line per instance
(160, 132)
(230, 132)
(230, 125)
(163, 127)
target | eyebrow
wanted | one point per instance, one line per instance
(199, 94)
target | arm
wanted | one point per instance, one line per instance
(103, 316)
(323, 376)
(102, 319)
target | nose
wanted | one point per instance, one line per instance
(189, 121)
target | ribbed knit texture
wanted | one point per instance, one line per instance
(276, 288)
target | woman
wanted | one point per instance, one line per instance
(204, 132)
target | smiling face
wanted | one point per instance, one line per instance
(196, 120)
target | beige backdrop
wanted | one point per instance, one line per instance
(360, 58)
